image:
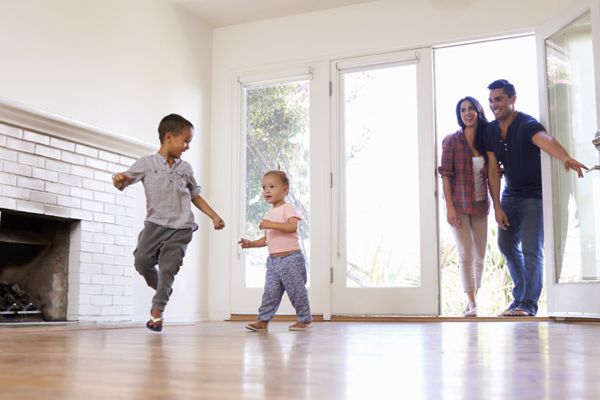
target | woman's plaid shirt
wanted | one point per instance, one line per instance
(457, 164)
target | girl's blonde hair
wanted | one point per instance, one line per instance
(282, 176)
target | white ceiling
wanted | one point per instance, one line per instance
(220, 13)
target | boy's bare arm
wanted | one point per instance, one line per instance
(120, 180)
(247, 243)
(203, 206)
(287, 227)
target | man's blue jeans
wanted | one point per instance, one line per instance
(522, 245)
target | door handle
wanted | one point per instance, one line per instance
(595, 167)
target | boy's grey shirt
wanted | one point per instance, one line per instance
(169, 190)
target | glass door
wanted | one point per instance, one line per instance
(569, 48)
(385, 260)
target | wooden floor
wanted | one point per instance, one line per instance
(335, 360)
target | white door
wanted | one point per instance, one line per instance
(569, 51)
(385, 255)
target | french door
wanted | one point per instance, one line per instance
(569, 52)
(385, 247)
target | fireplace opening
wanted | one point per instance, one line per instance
(34, 260)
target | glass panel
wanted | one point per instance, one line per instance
(382, 188)
(277, 138)
(572, 103)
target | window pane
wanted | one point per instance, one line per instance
(572, 103)
(382, 188)
(277, 138)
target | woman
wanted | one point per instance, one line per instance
(464, 177)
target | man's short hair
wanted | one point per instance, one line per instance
(509, 88)
(173, 123)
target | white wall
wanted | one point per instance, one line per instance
(120, 65)
(317, 38)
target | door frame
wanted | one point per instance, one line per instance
(565, 299)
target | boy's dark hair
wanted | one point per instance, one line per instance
(282, 176)
(509, 88)
(173, 123)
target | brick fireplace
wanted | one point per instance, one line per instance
(53, 167)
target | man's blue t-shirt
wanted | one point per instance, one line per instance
(518, 155)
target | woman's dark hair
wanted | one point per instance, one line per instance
(481, 123)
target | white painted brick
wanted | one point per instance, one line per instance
(15, 192)
(62, 144)
(43, 197)
(57, 188)
(86, 236)
(103, 176)
(93, 185)
(72, 158)
(84, 299)
(92, 226)
(104, 259)
(96, 164)
(101, 279)
(90, 289)
(8, 179)
(20, 145)
(90, 268)
(128, 310)
(125, 221)
(115, 167)
(106, 198)
(115, 210)
(57, 211)
(127, 290)
(29, 159)
(11, 131)
(125, 260)
(107, 156)
(85, 278)
(29, 183)
(7, 154)
(46, 151)
(82, 171)
(44, 174)
(112, 270)
(68, 201)
(122, 300)
(89, 310)
(29, 207)
(100, 217)
(82, 214)
(112, 310)
(82, 193)
(103, 238)
(91, 205)
(113, 290)
(123, 280)
(128, 161)
(7, 203)
(131, 212)
(91, 247)
(129, 270)
(86, 150)
(36, 137)
(101, 300)
(85, 257)
(17, 169)
(2, 140)
(58, 166)
(70, 180)
(126, 240)
(114, 250)
(114, 229)
(125, 201)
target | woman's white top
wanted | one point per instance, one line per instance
(479, 178)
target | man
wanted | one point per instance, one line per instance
(513, 142)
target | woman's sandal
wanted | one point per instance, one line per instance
(155, 324)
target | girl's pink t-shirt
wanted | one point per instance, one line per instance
(277, 241)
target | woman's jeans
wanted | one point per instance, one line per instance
(522, 246)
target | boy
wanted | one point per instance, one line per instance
(170, 187)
